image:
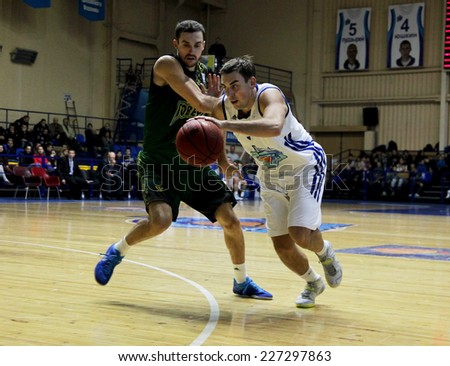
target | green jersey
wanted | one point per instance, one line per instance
(165, 114)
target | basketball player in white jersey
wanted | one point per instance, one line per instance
(292, 169)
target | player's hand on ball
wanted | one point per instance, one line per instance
(216, 121)
(199, 142)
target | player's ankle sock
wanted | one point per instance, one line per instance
(326, 244)
(122, 246)
(240, 272)
(310, 275)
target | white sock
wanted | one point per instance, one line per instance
(240, 272)
(310, 275)
(4, 178)
(3, 175)
(122, 246)
(326, 245)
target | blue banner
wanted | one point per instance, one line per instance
(39, 3)
(92, 9)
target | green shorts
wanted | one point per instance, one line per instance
(200, 188)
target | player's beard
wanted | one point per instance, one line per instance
(190, 60)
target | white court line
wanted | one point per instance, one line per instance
(213, 305)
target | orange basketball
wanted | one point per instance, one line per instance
(199, 142)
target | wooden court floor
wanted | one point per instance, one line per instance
(175, 290)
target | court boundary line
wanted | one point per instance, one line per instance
(213, 304)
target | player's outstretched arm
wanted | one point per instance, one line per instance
(168, 71)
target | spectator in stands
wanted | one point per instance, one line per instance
(400, 176)
(67, 129)
(23, 137)
(421, 175)
(110, 174)
(236, 183)
(106, 137)
(119, 156)
(4, 166)
(392, 146)
(64, 151)
(91, 138)
(53, 158)
(38, 128)
(72, 176)
(129, 170)
(3, 156)
(2, 136)
(69, 134)
(362, 165)
(10, 133)
(376, 180)
(10, 148)
(18, 123)
(40, 159)
(441, 167)
(44, 137)
(56, 132)
(232, 154)
(26, 156)
(219, 51)
(346, 181)
(128, 159)
(48, 148)
(428, 148)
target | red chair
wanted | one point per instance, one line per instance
(50, 181)
(29, 181)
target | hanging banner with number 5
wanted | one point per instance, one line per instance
(352, 39)
(405, 35)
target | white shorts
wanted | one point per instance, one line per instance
(287, 208)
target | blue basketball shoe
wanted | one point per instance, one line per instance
(104, 269)
(250, 289)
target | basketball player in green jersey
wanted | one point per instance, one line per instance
(178, 92)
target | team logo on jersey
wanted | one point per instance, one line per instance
(184, 111)
(270, 158)
(159, 188)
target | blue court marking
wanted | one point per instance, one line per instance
(256, 225)
(403, 251)
(432, 210)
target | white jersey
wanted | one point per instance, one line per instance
(285, 156)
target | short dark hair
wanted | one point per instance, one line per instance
(405, 42)
(243, 65)
(189, 26)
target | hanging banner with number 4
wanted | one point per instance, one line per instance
(352, 39)
(405, 35)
